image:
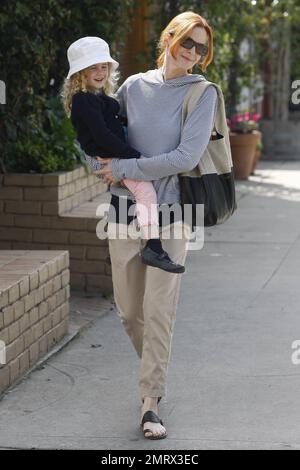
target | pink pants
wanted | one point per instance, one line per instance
(146, 206)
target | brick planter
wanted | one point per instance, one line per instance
(34, 308)
(36, 212)
(46, 195)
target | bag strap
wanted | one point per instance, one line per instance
(192, 97)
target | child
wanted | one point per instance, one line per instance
(94, 114)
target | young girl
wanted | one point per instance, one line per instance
(94, 113)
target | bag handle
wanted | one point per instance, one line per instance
(192, 97)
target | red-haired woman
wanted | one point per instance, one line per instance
(147, 297)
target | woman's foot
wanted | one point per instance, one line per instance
(155, 430)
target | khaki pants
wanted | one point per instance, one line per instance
(146, 299)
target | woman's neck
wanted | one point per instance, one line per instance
(172, 72)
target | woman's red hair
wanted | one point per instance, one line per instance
(180, 27)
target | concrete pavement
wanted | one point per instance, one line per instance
(232, 383)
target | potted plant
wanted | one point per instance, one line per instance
(244, 137)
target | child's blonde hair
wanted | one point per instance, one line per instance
(77, 82)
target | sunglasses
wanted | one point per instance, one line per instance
(189, 43)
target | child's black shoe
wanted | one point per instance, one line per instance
(160, 260)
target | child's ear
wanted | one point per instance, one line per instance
(167, 38)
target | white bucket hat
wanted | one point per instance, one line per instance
(88, 51)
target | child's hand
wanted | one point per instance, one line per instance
(103, 160)
(108, 161)
(106, 172)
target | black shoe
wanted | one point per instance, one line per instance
(151, 417)
(160, 260)
(158, 399)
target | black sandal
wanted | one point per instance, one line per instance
(158, 399)
(152, 417)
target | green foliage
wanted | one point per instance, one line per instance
(230, 27)
(34, 37)
(45, 149)
(259, 145)
(234, 21)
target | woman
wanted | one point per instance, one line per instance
(146, 297)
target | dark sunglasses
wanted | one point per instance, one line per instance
(201, 49)
(188, 43)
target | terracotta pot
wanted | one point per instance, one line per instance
(243, 148)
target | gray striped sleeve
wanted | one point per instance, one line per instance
(194, 140)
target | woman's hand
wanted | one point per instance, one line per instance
(106, 172)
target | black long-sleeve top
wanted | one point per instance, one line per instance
(99, 127)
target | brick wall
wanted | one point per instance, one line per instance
(34, 307)
(45, 195)
(34, 215)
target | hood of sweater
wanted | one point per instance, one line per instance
(155, 77)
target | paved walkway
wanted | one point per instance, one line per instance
(232, 384)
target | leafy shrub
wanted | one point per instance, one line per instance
(47, 149)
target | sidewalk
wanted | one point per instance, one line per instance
(232, 384)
